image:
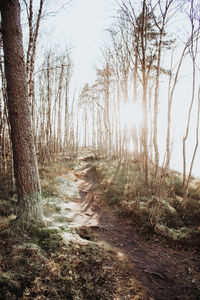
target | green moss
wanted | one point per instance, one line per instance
(5, 207)
(10, 282)
(63, 228)
(58, 209)
(175, 234)
(47, 238)
(86, 233)
(31, 247)
(62, 219)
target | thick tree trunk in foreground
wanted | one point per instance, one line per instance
(25, 162)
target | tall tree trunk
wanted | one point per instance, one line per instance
(144, 95)
(25, 162)
(155, 118)
(49, 108)
(66, 139)
(59, 128)
(170, 99)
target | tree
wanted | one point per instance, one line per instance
(193, 50)
(104, 79)
(163, 18)
(142, 48)
(25, 161)
(34, 26)
(141, 33)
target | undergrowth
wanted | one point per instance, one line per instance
(40, 264)
(154, 208)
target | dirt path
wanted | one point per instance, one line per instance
(165, 273)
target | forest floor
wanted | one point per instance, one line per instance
(164, 272)
(105, 254)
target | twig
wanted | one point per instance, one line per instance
(128, 242)
(137, 260)
(186, 259)
(157, 284)
(154, 273)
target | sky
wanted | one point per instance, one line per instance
(82, 25)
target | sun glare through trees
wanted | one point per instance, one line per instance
(144, 82)
(99, 149)
(130, 115)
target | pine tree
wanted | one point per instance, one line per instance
(25, 162)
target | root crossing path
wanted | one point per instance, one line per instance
(165, 273)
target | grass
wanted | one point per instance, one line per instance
(40, 265)
(162, 212)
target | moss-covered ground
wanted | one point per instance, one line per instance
(59, 261)
(107, 236)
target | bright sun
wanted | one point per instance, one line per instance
(130, 115)
(130, 119)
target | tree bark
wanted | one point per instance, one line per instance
(25, 162)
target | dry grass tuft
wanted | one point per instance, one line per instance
(157, 209)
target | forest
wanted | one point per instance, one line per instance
(99, 186)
